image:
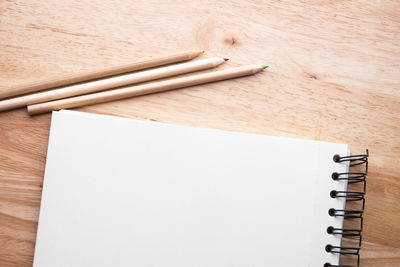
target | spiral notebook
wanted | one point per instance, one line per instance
(123, 192)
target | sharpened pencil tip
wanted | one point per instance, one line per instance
(264, 66)
(226, 59)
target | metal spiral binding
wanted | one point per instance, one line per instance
(352, 178)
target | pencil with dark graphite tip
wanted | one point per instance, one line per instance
(111, 82)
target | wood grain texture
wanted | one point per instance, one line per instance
(334, 75)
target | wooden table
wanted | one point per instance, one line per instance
(334, 75)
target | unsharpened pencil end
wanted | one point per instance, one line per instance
(226, 59)
(264, 66)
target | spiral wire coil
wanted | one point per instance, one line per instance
(349, 214)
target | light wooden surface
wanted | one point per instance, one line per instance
(334, 75)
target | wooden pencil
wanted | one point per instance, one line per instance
(131, 91)
(101, 73)
(113, 82)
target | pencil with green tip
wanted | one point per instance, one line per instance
(150, 88)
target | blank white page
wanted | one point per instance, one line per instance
(122, 192)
